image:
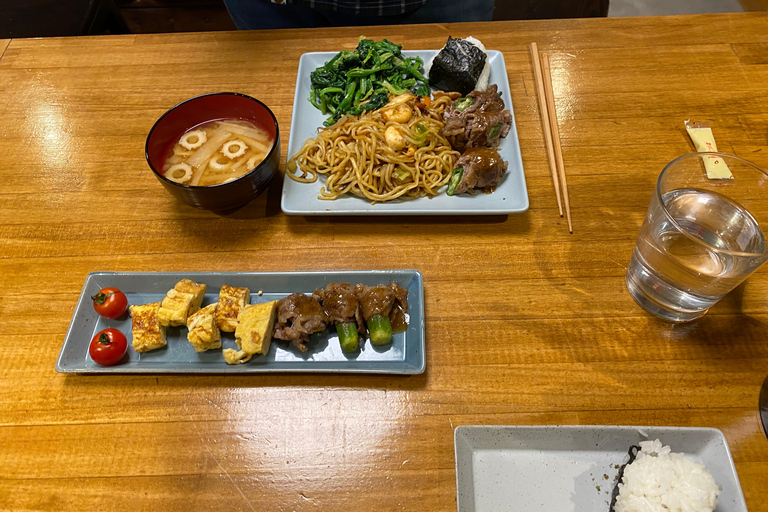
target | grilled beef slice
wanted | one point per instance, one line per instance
(483, 168)
(482, 123)
(340, 304)
(298, 316)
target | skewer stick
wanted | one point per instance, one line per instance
(556, 135)
(543, 112)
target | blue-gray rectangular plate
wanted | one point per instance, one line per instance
(572, 468)
(405, 355)
(510, 196)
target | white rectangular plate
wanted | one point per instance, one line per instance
(510, 196)
(571, 468)
(405, 355)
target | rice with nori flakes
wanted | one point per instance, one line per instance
(661, 481)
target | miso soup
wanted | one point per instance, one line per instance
(217, 152)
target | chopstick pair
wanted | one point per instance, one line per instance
(551, 132)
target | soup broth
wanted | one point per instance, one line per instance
(217, 152)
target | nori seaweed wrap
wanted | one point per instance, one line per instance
(457, 67)
(633, 451)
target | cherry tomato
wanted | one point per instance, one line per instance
(110, 303)
(108, 347)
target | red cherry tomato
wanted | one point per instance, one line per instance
(110, 303)
(108, 347)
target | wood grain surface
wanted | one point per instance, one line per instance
(525, 323)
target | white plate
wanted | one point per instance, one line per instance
(571, 468)
(510, 196)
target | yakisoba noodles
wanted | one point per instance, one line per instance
(381, 155)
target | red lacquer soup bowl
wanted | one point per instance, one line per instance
(231, 195)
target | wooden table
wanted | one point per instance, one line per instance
(526, 324)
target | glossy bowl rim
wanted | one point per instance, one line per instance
(204, 187)
(700, 155)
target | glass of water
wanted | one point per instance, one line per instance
(701, 237)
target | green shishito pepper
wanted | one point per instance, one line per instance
(379, 330)
(348, 338)
(464, 103)
(458, 172)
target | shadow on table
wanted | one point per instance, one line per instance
(256, 380)
(725, 333)
(390, 226)
(267, 205)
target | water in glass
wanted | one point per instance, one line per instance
(680, 269)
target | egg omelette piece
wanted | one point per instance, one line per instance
(232, 300)
(148, 333)
(254, 327)
(232, 356)
(203, 334)
(181, 301)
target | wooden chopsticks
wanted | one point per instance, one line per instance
(551, 131)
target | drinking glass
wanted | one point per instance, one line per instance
(701, 237)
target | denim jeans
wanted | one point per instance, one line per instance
(262, 14)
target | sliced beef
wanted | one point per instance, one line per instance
(488, 100)
(483, 168)
(375, 300)
(454, 125)
(477, 120)
(480, 128)
(401, 296)
(299, 316)
(382, 300)
(398, 317)
(340, 304)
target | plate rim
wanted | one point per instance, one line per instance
(461, 430)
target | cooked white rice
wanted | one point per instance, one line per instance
(661, 481)
(485, 74)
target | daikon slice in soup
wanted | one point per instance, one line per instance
(217, 152)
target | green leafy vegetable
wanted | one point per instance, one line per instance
(421, 90)
(354, 81)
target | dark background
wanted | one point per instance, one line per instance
(38, 18)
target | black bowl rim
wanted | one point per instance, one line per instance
(203, 187)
